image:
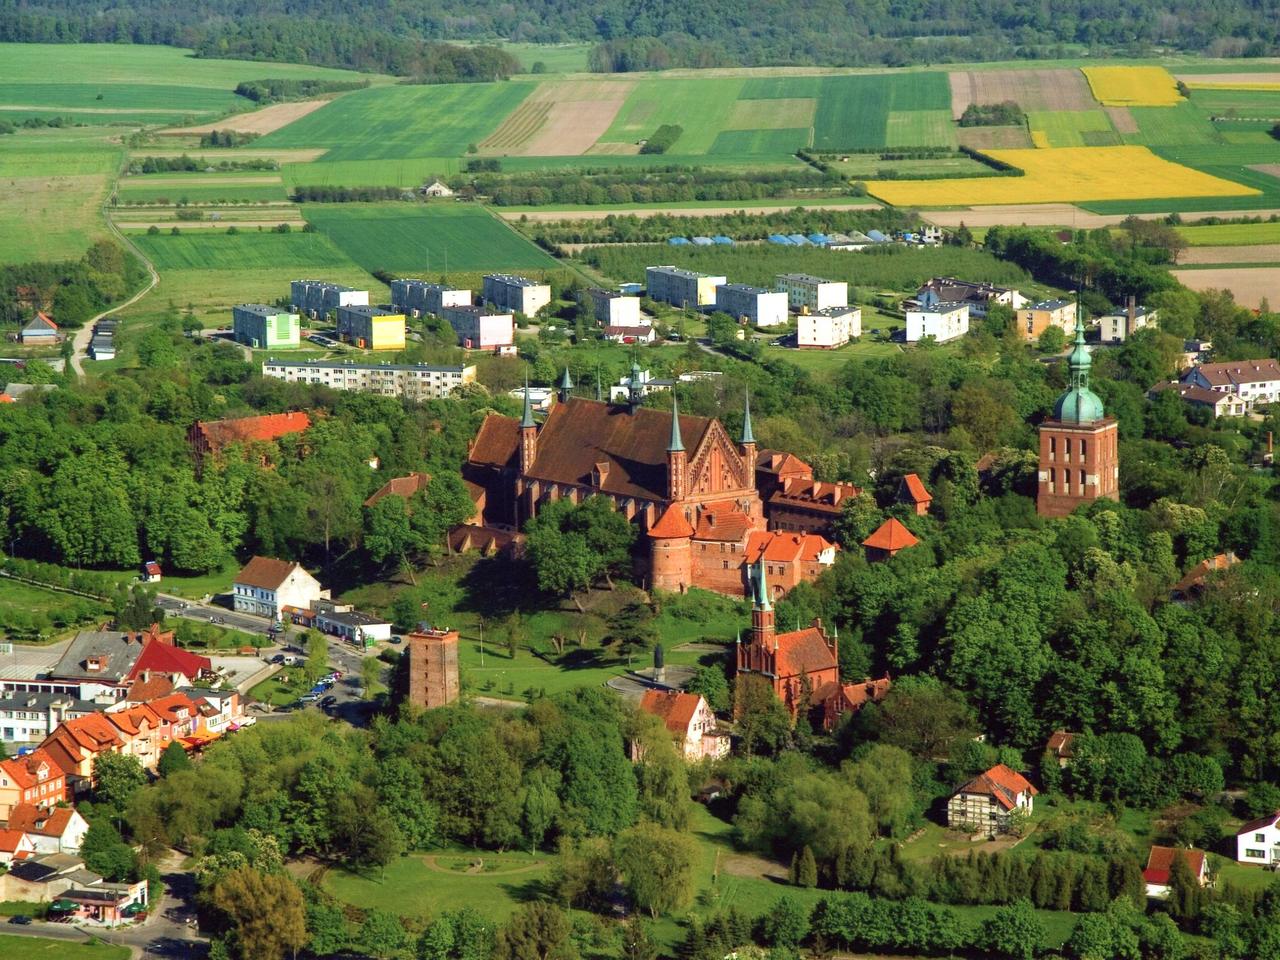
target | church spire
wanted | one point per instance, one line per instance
(762, 601)
(566, 385)
(675, 444)
(747, 435)
(527, 419)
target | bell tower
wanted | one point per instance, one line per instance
(677, 458)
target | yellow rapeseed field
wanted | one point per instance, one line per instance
(1063, 175)
(1133, 86)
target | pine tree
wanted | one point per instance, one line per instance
(807, 870)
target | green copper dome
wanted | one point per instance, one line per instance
(1079, 404)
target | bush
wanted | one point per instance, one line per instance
(663, 138)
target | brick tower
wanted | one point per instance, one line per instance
(1079, 456)
(433, 668)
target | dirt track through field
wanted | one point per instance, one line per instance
(561, 119)
(1060, 89)
(1057, 215)
(1249, 285)
(266, 120)
(1254, 253)
(107, 110)
(551, 216)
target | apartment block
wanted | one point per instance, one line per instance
(762, 308)
(413, 381)
(515, 294)
(321, 298)
(614, 309)
(263, 327)
(828, 328)
(478, 330)
(943, 321)
(681, 288)
(424, 297)
(812, 293)
(371, 328)
(1038, 317)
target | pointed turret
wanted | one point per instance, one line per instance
(675, 443)
(635, 390)
(566, 386)
(527, 419)
(528, 433)
(762, 628)
(748, 437)
(677, 459)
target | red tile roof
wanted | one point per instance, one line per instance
(1061, 743)
(219, 433)
(777, 546)
(10, 840)
(803, 651)
(28, 818)
(858, 695)
(914, 490)
(1002, 783)
(723, 522)
(806, 493)
(149, 689)
(1259, 824)
(265, 573)
(486, 540)
(24, 771)
(783, 464)
(1231, 372)
(401, 487)
(889, 536)
(1160, 863)
(1199, 574)
(674, 707)
(41, 320)
(497, 442)
(672, 525)
(160, 657)
(151, 568)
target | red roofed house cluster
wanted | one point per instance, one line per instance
(987, 803)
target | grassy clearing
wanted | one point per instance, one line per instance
(249, 251)
(556, 57)
(703, 107)
(39, 948)
(282, 688)
(428, 238)
(397, 122)
(1068, 128)
(231, 191)
(913, 128)
(25, 599)
(1243, 103)
(1231, 234)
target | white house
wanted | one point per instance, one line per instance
(943, 321)
(828, 328)
(1120, 326)
(689, 720)
(987, 803)
(15, 845)
(1255, 381)
(1160, 865)
(760, 307)
(813, 293)
(1259, 841)
(56, 830)
(266, 586)
(436, 189)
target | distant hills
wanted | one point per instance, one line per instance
(653, 34)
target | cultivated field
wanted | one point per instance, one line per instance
(266, 120)
(559, 119)
(1249, 285)
(424, 239)
(1231, 234)
(247, 250)
(1133, 86)
(1060, 89)
(1262, 253)
(1065, 175)
(703, 108)
(1072, 128)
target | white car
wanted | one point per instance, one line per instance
(246, 721)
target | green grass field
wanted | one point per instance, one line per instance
(162, 100)
(216, 250)
(1074, 128)
(1243, 103)
(403, 172)
(556, 57)
(702, 107)
(425, 238)
(1183, 125)
(40, 948)
(197, 189)
(402, 121)
(913, 128)
(24, 598)
(1231, 234)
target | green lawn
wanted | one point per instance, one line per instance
(275, 691)
(205, 249)
(395, 122)
(38, 948)
(15, 596)
(1073, 128)
(1231, 234)
(425, 238)
(556, 57)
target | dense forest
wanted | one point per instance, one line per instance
(632, 35)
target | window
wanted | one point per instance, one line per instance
(1067, 448)
(1082, 481)
(1084, 450)
(1255, 854)
(1260, 838)
(1053, 448)
(726, 564)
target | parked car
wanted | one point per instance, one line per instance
(309, 698)
(248, 721)
(328, 701)
(278, 658)
(21, 919)
(395, 638)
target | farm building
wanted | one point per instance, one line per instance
(263, 327)
(421, 297)
(478, 330)
(436, 189)
(681, 288)
(621, 334)
(414, 381)
(762, 308)
(102, 346)
(40, 329)
(614, 309)
(943, 321)
(828, 328)
(517, 294)
(812, 293)
(371, 328)
(319, 298)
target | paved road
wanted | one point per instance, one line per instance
(210, 612)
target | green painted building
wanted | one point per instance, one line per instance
(265, 328)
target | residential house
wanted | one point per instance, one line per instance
(849, 698)
(433, 667)
(436, 190)
(266, 586)
(150, 572)
(1195, 580)
(641, 334)
(41, 878)
(114, 662)
(690, 721)
(1033, 320)
(1160, 866)
(39, 329)
(515, 294)
(614, 309)
(828, 328)
(371, 328)
(789, 558)
(1061, 745)
(943, 321)
(681, 288)
(911, 491)
(477, 329)
(640, 383)
(319, 298)
(978, 295)
(809, 294)
(34, 778)
(404, 487)
(988, 802)
(52, 830)
(261, 327)
(1258, 841)
(210, 438)
(413, 381)
(1219, 403)
(417, 297)
(15, 845)
(1120, 326)
(106, 904)
(1254, 381)
(888, 539)
(753, 305)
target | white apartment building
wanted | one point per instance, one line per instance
(478, 330)
(614, 309)
(812, 293)
(515, 294)
(681, 288)
(1119, 327)
(943, 322)
(762, 308)
(319, 297)
(1255, 381)
(266, 586)
(424, 297)
(828, 328)
(413, 381)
